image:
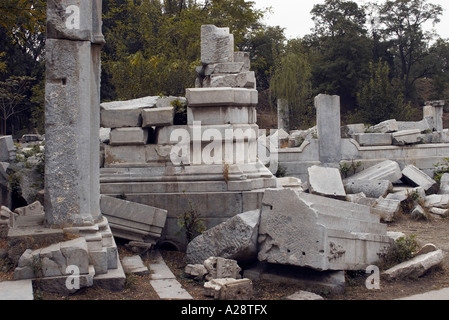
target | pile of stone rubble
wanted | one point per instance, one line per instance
(325, 226)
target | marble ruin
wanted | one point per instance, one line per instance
(130, 169)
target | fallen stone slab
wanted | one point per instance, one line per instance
(422, 125)
(437, 201)
(371, 188)
(417, 178)
(350, 130)
(406, 137)
(133, 221)
(361, 198)
(170, 289)
(120, 114)
(304, 295)
(374, 139)
(387, 209)
(387, 126)
(326, 182)
(317, 232)
(196, 271)
(385, 170)
(229, 289)
(415, 267)
(235, 239)
(134, 264)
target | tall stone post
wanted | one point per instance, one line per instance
(72, 112)
(283, 113)
(328, 126)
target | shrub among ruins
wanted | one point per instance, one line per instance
(401, 250)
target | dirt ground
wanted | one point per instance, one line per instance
(434, 231)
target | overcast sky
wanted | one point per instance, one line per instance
(295, 17)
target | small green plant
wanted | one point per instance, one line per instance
(191, 222)
(36, 266)
(441, 169)
(349, 168)
(131, 280)
(402, 250)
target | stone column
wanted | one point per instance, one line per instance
(72, 112)
(328, 125)
(283, 115)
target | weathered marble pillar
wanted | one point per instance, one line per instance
(72, 112)
(328, 125)
(433, 112)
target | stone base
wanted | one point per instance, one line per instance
(216, 195)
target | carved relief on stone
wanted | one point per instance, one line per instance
(335, 251)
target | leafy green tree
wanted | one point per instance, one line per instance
(291, 82)
(12, 96)
(379, 99)
(266, 46)
(152, 47)
(340, 49)
(402, 23)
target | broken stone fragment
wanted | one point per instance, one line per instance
(197, 271)
(387, 209)
(415, 267)
(229, 289)
(437, 201)
(374, 139)
(218, 268)
(387, 126)
(371, 188)
(326, 182)
(235, 239)
(134, 264)
(417, 178)
(317, 232)
(406, 137)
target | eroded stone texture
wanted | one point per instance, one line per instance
(235, 239)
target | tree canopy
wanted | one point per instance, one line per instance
(378, 58)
